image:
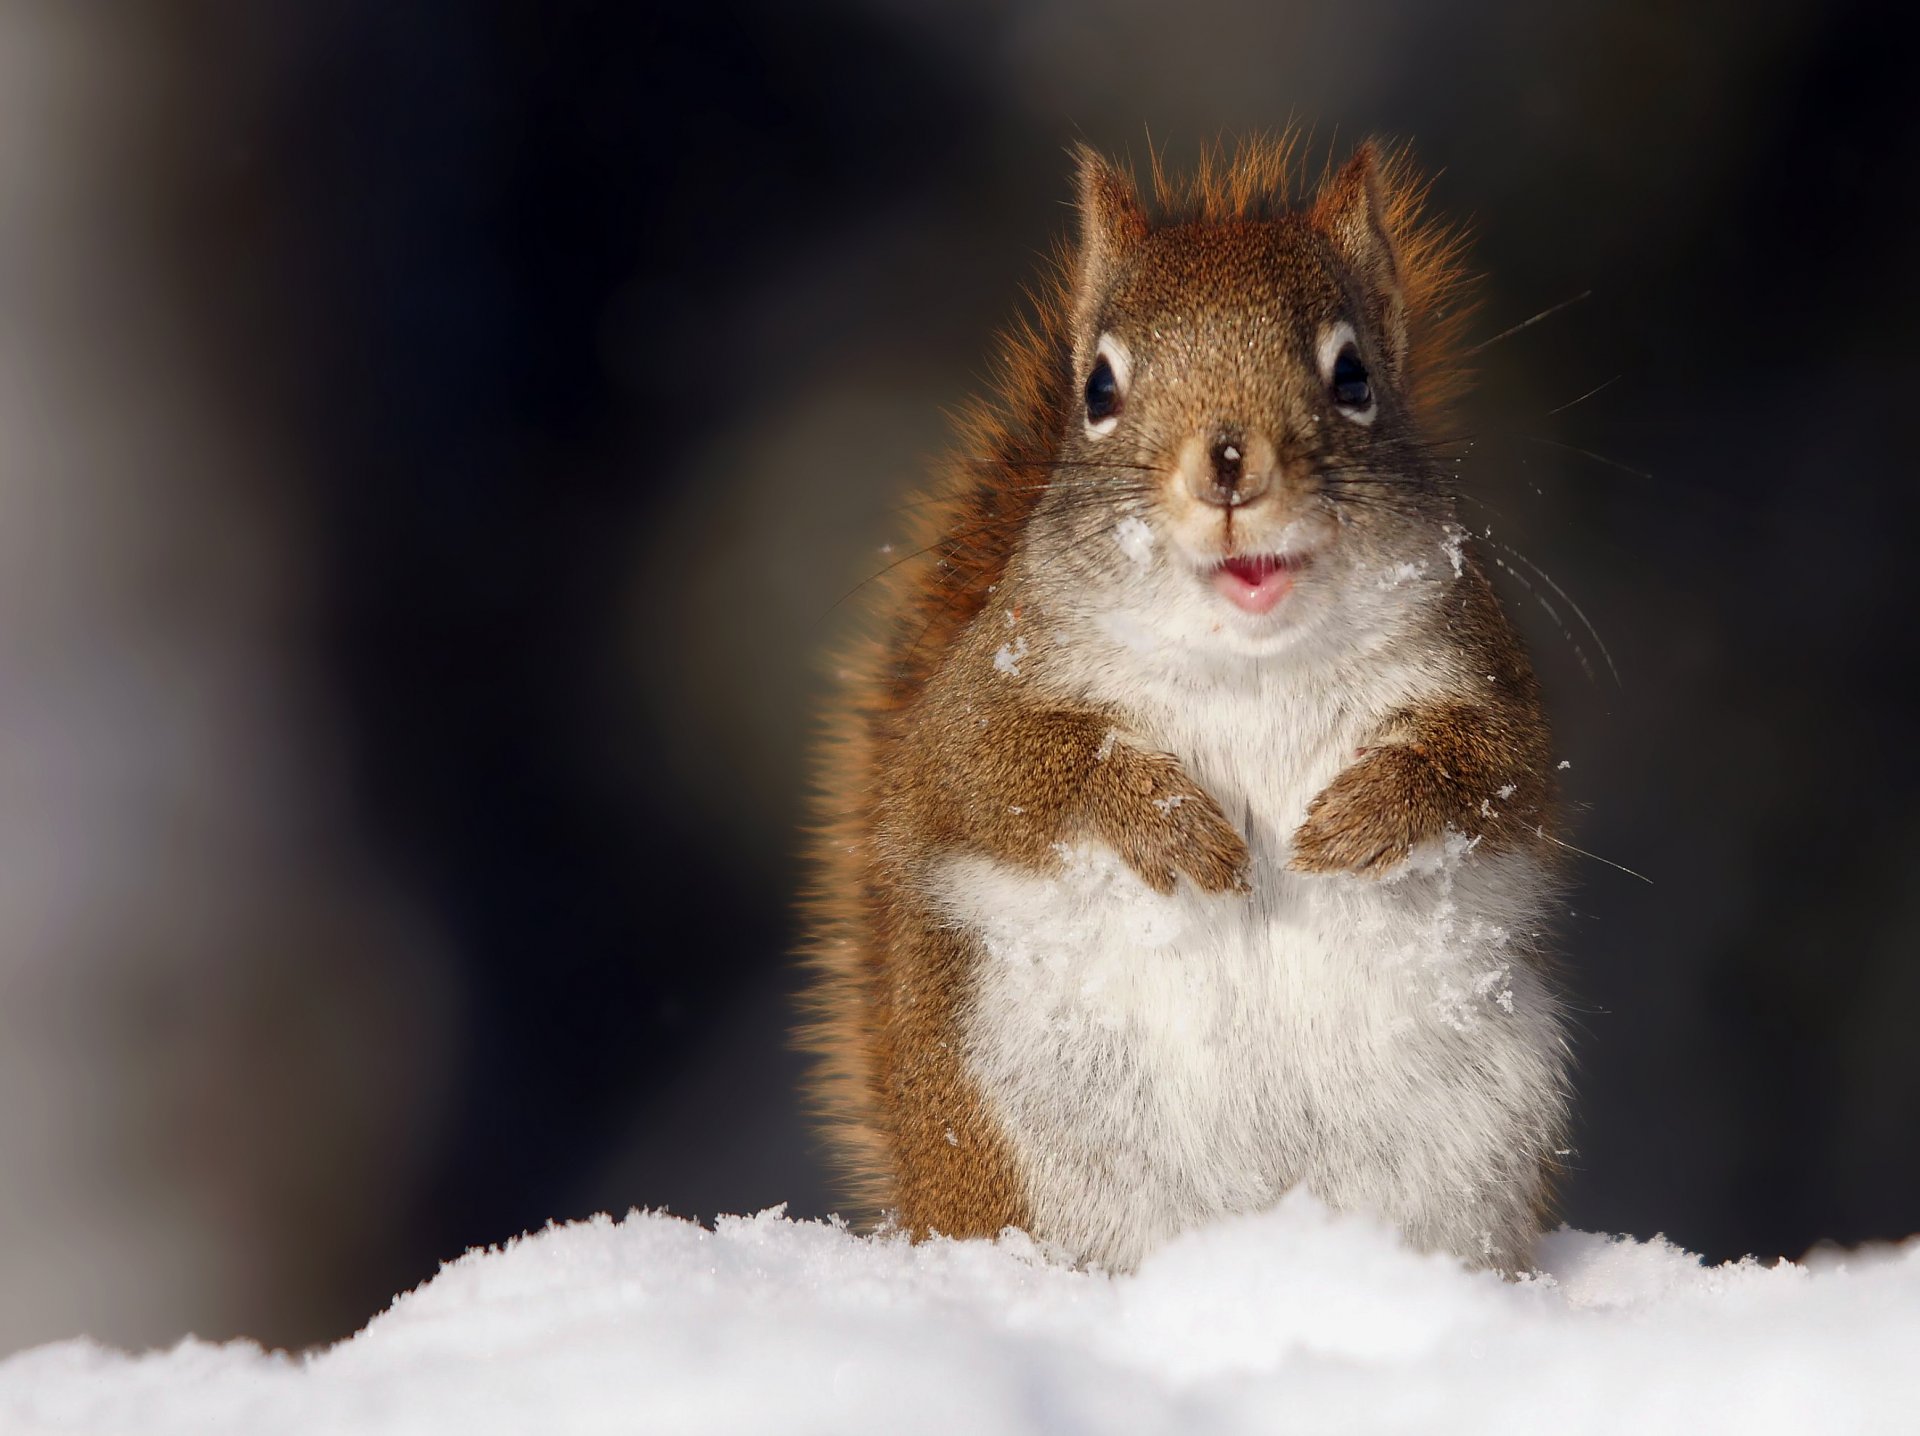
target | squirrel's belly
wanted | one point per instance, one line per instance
(1157, 1061)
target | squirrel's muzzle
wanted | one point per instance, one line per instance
(1228, 469)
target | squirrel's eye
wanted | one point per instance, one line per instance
(1106, 387)
(1349, 382)
(1346, 378)
(1103, 391)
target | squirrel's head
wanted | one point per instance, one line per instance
(1245, 451)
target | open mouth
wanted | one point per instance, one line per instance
(1255, 584)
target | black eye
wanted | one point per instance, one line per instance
(1103, 392)
(1349, 382)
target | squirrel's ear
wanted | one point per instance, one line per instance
(1351, 211)
(1112, 221)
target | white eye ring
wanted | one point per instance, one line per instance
(1333, 340)
(1120, 361)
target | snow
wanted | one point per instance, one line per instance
(1401, 574)
(1135, 539)
(1296, 1319)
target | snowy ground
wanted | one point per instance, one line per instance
(1296, 1320)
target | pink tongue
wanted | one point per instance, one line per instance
(1253, 584)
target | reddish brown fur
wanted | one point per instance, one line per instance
(906, 1126)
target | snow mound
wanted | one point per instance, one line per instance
(1297, 1319)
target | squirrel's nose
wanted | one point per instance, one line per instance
(1232, 476)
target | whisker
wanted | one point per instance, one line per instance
(912, 651)
(1588, 454)
(1046, 463)
(1481, 503)
(1608, 384)
(1547, 313)
(1580, 613)
(1114, 486)
(1540, 832)
(1410, 497)
(1551, 612)
(1074, 496)
(950, 541)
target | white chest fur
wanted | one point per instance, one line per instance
(1158, 1061)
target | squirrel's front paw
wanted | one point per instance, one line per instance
(1163, 824)
(1369, 817)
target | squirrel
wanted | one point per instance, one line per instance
(1186, 833)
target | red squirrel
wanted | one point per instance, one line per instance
(1186, 835)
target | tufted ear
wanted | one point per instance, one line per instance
(1112, 222)
(1351, 211)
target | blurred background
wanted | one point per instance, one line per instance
(435, 440)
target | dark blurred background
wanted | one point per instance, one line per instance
(434, 440)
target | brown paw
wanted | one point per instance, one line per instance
(1370, 816)
(1163, 824)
